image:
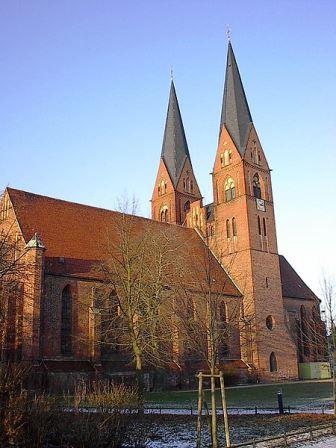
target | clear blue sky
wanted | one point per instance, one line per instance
(84, 88)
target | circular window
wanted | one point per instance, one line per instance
(270, 322)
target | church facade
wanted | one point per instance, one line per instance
(239, 226)
(51, 321)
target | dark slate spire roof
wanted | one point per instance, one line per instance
(174, 147)
(235, 111)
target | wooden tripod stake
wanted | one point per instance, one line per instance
(200, 377)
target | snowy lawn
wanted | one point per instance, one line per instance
(178, 431)
(329, 442)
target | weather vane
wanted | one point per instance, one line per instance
(171, 74)
(228, 32)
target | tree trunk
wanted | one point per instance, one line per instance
(139, 376)
(213, 410)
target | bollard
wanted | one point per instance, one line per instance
(280, 403)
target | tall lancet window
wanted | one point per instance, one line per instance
(273, 363)
(164, 214)
(66, 322)
(256, 186)
(230, 190)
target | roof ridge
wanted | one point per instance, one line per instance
(78, 204)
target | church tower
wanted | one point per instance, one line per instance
(175, 185)
(245, 235)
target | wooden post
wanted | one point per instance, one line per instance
(225, 414)
(199, 409)
(213, 411)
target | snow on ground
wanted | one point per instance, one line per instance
(235, 411)
(329, 442)
(185, 441)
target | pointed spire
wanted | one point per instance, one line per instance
(174, 147)
(236, 114)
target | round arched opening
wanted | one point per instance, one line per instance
(270, 322)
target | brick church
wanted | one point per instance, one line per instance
(50, 322)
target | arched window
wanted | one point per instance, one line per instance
(188, 184)
(264, 226)
(259, 225)
(162, 188)
(230, 190)
(256, 186)
(164, 214)
(191, 186)
(234, 227)
(273, 363)
(226, 157)
(228, 230)
(186, 206)
(108, 326)
(66, 322)
(223, 314)
(223, 329)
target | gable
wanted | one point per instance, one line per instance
(292, 284)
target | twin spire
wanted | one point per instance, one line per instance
(236, 114)
(174, 148)
(236, 117)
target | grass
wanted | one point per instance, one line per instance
(307, 393)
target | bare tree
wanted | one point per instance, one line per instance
(14, 270)
(329, 296)
(139, 272)
(209, 315)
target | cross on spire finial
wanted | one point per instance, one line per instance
(171, 74)
(228, 32)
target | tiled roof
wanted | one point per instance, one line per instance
(77, 237)
(292, 284)
(236, 114)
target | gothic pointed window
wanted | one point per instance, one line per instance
(256, 186)
(227, 157)
(66, 322)
(228, 230)
(259, 225)
(230, 190)
(223, 331)
(264, 227)
(162, 188)
(191, 186)
(186, 206)
(109, 322)
(164, 214)
(234, 227)
(273, 363)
